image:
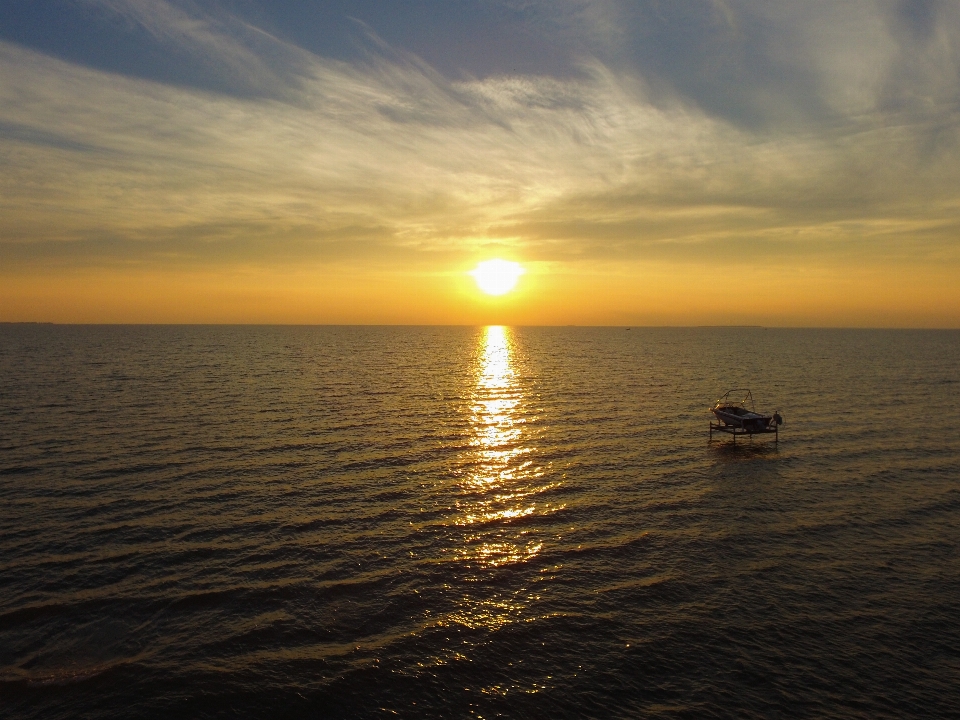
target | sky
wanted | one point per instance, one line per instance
(647, 162)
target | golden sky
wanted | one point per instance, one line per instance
(742, 163)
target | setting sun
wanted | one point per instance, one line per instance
(497, 277)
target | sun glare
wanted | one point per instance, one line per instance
(497, 277)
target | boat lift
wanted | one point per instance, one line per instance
(738, 417)
(739, 432)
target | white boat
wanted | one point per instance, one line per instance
(732, 412)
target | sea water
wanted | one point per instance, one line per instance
(476, 522)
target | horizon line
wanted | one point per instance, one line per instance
(468, 325)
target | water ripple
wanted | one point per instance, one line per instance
(476, 522)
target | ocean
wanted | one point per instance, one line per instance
(459, 522)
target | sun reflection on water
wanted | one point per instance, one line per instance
(497, 418)
(502, 478)
(500, 491)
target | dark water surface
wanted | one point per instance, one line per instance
(476, 522)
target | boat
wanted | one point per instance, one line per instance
(739, 414)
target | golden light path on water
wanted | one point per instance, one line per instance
(500, 485)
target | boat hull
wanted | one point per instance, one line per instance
(748, 421)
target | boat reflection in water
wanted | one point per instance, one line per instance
(498, 497)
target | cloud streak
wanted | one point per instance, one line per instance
(386, 160)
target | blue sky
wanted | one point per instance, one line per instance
(730, 58)
(587, 138)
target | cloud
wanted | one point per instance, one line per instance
(203, 48)
(778, 64)
(388, 161)
(917, 17)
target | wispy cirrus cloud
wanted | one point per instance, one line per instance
(386, 158)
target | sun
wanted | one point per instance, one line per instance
(497, 277)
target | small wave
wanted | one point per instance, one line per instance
(59, 676)
(19, 470)
(64, 677)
